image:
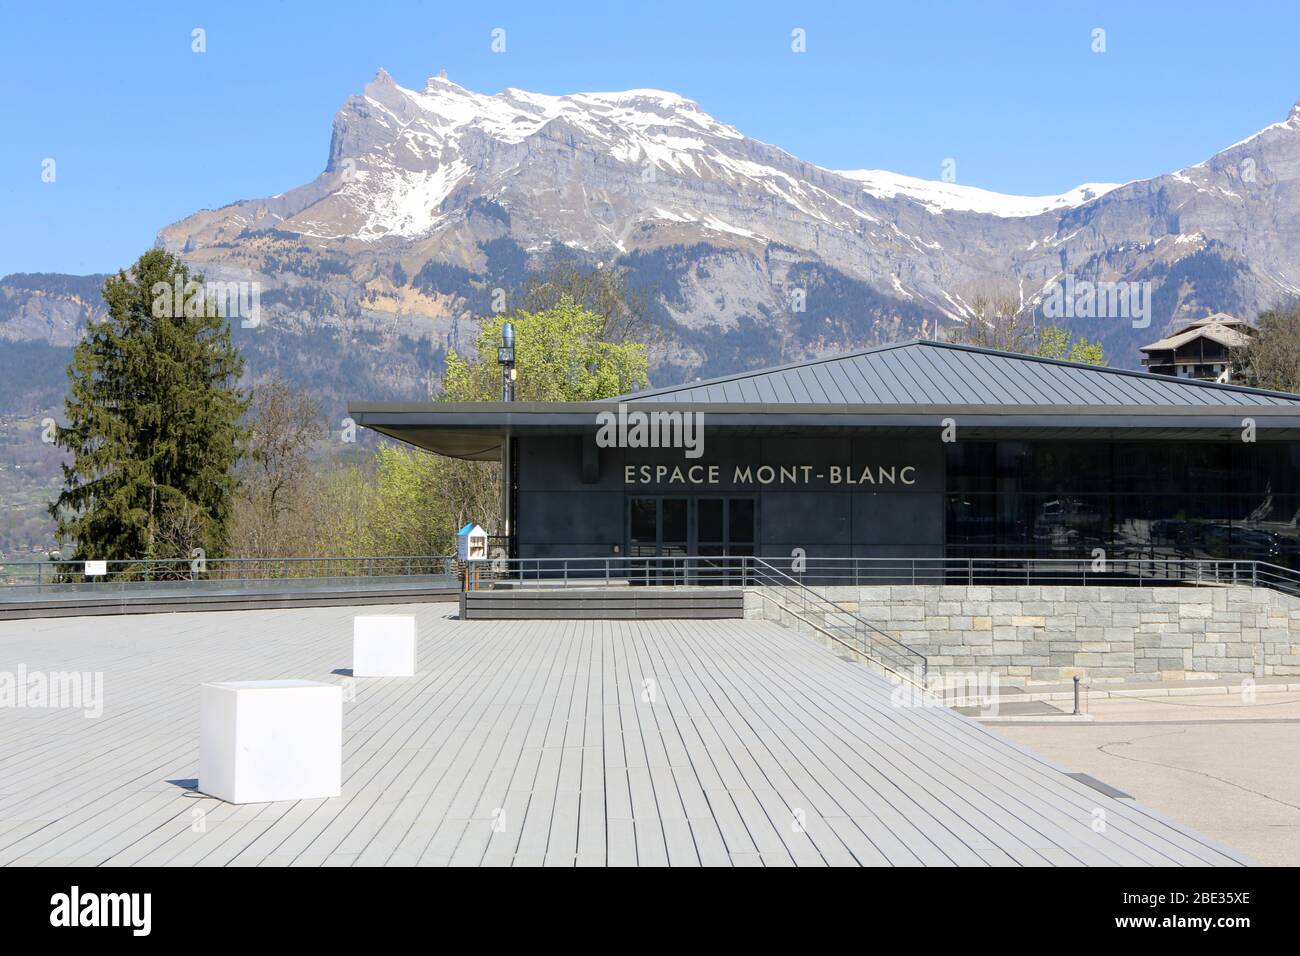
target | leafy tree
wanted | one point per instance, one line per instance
(274, 471)
(1058, 343)
(999, 320)
(152, 421)
(338, 511)
(561, 355)
(1272, 359)
(404, 501)
(624, 313)
(408, 512)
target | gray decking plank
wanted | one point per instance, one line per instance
(759, 747)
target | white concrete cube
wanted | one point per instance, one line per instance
(265, 740)
(383, 645)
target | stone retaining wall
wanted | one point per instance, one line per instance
(1044, 633)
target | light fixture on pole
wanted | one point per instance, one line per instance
(506, 359)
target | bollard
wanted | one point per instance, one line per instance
(1076, 695)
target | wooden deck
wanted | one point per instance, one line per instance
(541, 742)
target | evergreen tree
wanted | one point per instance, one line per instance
(153, 416)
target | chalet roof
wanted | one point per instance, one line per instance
(1225, 333)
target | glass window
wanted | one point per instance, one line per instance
(643, 518)
(675, 519)
(710, 520)
(741, 519)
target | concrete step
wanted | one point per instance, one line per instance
(618, 603)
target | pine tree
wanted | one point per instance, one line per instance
(153, 416)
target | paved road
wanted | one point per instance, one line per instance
(1237, 781)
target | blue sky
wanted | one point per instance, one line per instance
(143, 131)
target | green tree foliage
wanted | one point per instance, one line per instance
(152, 424)
(624, 312)
(1058, 343)
(1272, 359)
(406, 513)
(402, 500)
(561, 354)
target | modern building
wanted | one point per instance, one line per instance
(920, 449)
(1200, 350)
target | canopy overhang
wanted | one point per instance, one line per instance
(476, 430)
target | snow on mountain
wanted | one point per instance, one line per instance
(404, 152)
(432, 198)
(940, 197)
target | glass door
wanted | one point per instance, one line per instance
(658, 527)
(724, 528)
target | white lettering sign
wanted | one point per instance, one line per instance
(872, 476)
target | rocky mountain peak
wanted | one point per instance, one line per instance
(432, 191)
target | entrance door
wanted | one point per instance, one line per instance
(715, 528)
(658, 527)
(725, 528)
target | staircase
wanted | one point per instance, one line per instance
(603, 603)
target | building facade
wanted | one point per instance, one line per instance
(1201, 350)
(916, 450)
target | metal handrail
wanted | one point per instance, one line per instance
(1121, 571)
(675, 569)
(1276, 577)
(589, 571)
(866, 637)
(58, 572)
(947, 570)
(837, 621)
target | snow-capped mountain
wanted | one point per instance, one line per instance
(433, 198)
(941, 197)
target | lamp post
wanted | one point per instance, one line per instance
(506, 359)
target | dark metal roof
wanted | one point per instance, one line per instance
(913, 385)
(943, 373)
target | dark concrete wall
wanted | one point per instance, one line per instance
(560, 516)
